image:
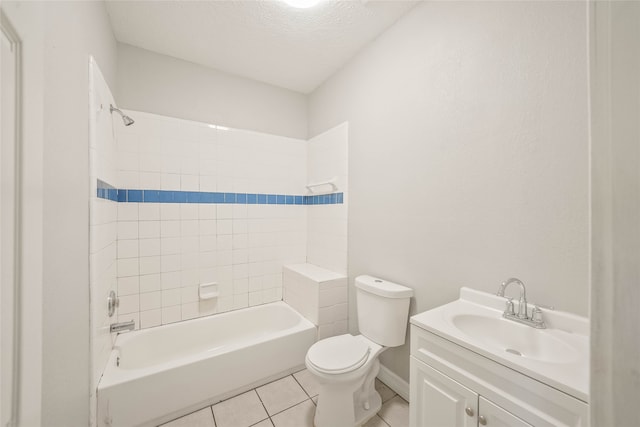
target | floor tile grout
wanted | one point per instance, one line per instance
(309, 397)
(215, 424)
(293, 406)
(265, 408)
(303, 389)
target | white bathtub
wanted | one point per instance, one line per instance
(169, 371)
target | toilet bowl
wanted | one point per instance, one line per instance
(346, 366)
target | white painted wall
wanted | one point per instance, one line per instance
(28, 20)
(73, 31)
(164, 85)
(468, 152)
(615, 207)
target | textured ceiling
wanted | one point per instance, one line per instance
(267, 41)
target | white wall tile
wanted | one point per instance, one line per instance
(170, 245)
(148, 211)
(190, 310)
(150, 318)
(208, 227)
(171, 297)
(189, 294)
(150, 180)
(127, 211)
(149, 247)
(127, 230)
(150, 300)
(169, 211)
(128, 285)
(149, 265)
(151, 162)
(128, 267)
(207, 211)
(224, 226)
(191, 277)
(224, 211)
(170, 263)
(128, 248)
(255, 298)
(189, 244)
(189, 211)
(171, 314)
(170, 164)
(170, 280)
(170, 228)
(242, 247)
(190, 261)
(149, 229)
(189, 227)
(208, 243)
(129, 304)
(207, 260)
(150, 282)
(189, 182)
(208, 183)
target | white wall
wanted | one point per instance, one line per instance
(73, 31)
(615, 204)
(161, 84)
(468, 152)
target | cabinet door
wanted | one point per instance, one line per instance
(439, 401)
(492, 415)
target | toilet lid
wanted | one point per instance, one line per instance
(339, 354)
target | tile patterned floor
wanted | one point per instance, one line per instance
(287, 402)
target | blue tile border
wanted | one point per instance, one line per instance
(107, 191)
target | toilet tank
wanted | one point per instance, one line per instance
(383, 310)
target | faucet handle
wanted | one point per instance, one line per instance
(548, 307)
(536, 317)
(508, 309)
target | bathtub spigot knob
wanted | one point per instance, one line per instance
(112, 303)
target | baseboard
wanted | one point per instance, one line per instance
(394, 382)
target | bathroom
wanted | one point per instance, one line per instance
(470, 142)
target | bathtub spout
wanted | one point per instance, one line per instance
(123, 326)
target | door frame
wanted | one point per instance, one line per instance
(11, 34)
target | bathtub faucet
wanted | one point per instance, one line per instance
(123, 326)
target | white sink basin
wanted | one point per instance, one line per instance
(514, 338)
(557, 356)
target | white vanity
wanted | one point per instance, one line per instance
(470, 366)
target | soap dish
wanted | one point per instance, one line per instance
(208, 290)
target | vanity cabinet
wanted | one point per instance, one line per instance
(441, 401)
(495, 416)
(453, 386)
(437, 400)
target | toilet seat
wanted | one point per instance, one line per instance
(339, 354)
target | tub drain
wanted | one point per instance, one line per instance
(512, 351)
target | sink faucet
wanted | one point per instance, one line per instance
(522, 306)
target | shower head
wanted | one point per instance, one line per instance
(128, 121)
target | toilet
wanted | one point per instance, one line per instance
(346, 366)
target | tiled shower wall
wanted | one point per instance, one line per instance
(165, 250)
(327, 158)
